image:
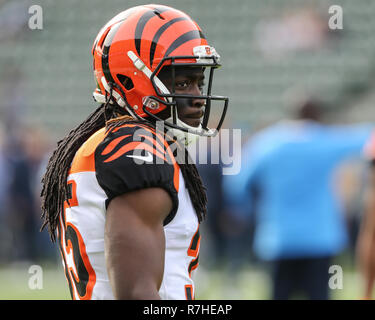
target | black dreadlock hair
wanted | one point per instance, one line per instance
(55, 189)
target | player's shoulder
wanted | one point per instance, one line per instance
(129, 128)
(84, 159)
(108, 145)
(134, 141)
(135, 156)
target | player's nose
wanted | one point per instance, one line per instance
(197, 101)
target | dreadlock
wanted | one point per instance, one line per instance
(194, 184)
(55, 189)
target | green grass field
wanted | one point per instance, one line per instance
(253, 284)
(249, 284)
(15, 280)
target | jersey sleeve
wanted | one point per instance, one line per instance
(134, 157)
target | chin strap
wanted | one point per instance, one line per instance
(193, 134)
(121, 101)
(183, 137)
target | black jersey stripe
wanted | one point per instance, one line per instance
(193, 264)
(194, 242)
(159, 33)
(189, 293)
(191, 35)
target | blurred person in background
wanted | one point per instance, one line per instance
(21, 216)
(36, 144)
(4, 178)
(286, 180)
(23, 152)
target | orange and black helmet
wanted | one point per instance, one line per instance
(132, 48)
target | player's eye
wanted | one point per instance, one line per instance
(201, 85)
(182, 84)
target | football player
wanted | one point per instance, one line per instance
(119, 198)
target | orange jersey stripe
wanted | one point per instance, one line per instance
(113, 144)
(84, 160)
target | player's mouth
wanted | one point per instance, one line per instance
(194, 119)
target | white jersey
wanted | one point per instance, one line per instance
(100, 171)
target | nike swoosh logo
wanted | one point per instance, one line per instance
(147, 158)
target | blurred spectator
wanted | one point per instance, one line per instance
(20, 203)
(36, 147)
(23, 154)
(23, 150)
(4, 178)
(287, 180)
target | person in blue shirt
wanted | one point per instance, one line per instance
(286, 178)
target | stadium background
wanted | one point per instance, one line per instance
(272, 51)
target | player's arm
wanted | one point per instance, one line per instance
(366, 240)
(135, 244)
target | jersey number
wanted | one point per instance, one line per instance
(78, 270)
(193, 251)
